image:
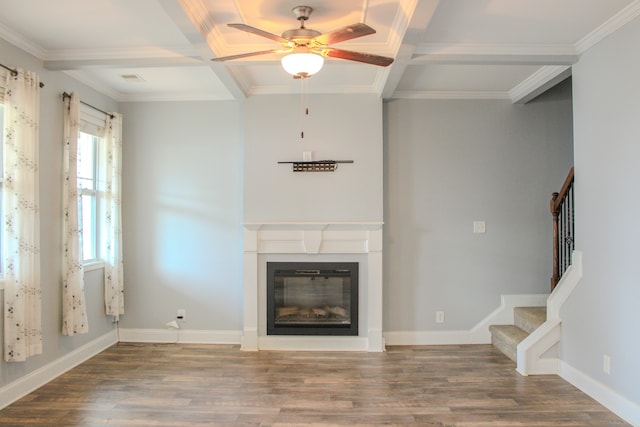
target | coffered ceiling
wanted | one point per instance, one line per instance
(154, 50)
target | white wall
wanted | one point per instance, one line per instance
(182, 191)
(338, 127)
(602, 315)
(55, 345)
(449, 163)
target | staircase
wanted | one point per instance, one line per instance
(507, 337)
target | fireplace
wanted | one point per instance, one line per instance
(314, 242)
(319, 298)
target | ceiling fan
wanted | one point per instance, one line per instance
(307, 48)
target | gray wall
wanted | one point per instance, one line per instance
(449, 163)
(182, 209)
(339, 127)
(602, 315)
(55, 345)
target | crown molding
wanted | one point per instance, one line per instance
(494, 49)
(609, 27)
(538, 82)
(495, 54)
(429, 94)
(287, 90)
(175, 97)
(21, 42)
(121, 53)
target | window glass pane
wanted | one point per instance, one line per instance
(87, 219)
(86, 160)
(87, 173)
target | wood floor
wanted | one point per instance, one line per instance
(200, 385)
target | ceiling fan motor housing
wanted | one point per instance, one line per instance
(301, 36)
(300, 33)
(302, 12)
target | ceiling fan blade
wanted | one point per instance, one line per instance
(347, 33)
(367, 58)
(259, 32)
(247, 55)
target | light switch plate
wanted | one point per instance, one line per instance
(479, 226)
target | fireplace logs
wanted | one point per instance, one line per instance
(296, 314)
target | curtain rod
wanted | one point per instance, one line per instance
(15, 72)
(66, 95)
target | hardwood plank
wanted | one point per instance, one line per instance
(202, 385)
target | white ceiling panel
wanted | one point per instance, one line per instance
(442, 48)
(549, 22)
(82, 24)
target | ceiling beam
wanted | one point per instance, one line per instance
(123, 61)
(418, 21)
(197, 27)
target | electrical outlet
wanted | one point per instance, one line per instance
(182, 314)
(606, 364)
(439, 316)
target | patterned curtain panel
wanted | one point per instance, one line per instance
(111, 218)
(74, 310)
(20, 198)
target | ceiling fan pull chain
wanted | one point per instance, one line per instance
(302, 101)
(306, 96)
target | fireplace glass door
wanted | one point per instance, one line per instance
(312, 298)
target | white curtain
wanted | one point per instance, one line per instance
(74, 310)
(111, 239)
(20, 198)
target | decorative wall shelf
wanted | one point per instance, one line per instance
(317, 165)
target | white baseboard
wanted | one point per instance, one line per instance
(41, 376)
(185, 336)
(616, 403)
(427, 337)
(479, 334)
(316, 343)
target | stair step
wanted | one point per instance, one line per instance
(529, 318)
(506, 338)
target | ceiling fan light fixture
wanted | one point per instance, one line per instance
(302, 64)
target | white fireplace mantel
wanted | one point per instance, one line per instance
(342, 239)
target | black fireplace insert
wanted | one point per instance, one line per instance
(319, 298)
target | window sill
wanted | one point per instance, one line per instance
(90, 266)
(93, 265)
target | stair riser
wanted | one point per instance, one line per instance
(506, 339)
(505, 347)
(529, 318)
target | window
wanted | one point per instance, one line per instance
(87, 189)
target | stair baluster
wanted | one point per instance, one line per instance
(562, 209)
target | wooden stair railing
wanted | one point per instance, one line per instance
(562, 209)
